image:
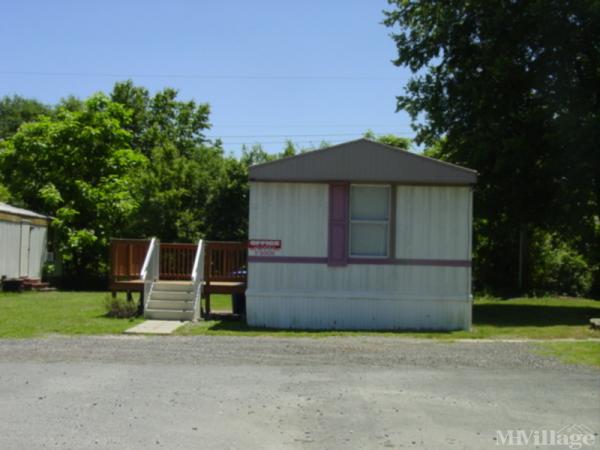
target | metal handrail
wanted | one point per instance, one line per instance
(198, 277)
(151, 268)
(147, 259)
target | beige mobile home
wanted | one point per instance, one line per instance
(360, 235)
(23, 241)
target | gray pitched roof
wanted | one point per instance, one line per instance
(6, 208)
(363, 160)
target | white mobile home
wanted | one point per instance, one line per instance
(360, 235)
(23, 241)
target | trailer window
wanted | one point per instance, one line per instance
(369, 220)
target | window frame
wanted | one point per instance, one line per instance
(388, 222)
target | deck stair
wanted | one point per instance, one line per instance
(36, 284)
(174, 279)
(171, 300)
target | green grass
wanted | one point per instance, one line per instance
(534, 318)
(37, 314)
(519, 318)
(579, 353)
(220, 302)
(33, 314)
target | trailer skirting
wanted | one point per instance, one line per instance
(356, 311)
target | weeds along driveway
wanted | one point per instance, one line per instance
(235, 392)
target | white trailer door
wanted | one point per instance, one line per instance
(24, 254)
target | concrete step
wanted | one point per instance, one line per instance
(171, 304)
(172, 286)
(166, 314)
(171, 295)
(35, 285)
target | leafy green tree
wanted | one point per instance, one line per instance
(289, 150)
(16, 110)
(512, 88)
(389, 139)
(71, 103)
(79, 168)
(184, 169)
(4, 194)
(163, 119)
(227, 207)
(227, 210)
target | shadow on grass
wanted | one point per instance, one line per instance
(532, 315)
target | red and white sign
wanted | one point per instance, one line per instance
(264, 247)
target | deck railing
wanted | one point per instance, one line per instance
(177, 261)
(127, 257)
(222, 262)
(226, 261)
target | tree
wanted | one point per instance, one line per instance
(289, 150)
(184, 167)
(4, 194)
(389, 139)
(16, 110)
(162, 119)
(513, 90)
(227, 207)
(79, 168)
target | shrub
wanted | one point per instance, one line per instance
(558, 268)
(119, 307)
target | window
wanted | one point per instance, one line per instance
(369, 220)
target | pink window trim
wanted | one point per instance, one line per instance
(337, 247)
(430, 262)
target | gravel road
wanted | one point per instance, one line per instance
(249, 392)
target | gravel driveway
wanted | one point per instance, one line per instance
(244, 393)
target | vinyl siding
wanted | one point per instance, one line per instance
(37, 250)
(296, 213)
(10, 246)
(431, 223)
(310, 311)
(10, 250)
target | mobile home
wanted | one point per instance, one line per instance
(23, 242)
(360, 235)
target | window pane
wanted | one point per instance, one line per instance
(368, 239)
(369, 202)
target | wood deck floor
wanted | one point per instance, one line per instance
(213, 287)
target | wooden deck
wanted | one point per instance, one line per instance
(225, 267)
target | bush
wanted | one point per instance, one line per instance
(119, 307)
(557, 268)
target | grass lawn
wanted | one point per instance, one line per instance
(584, 353)
(220, 302)
(32, 314)
(519, 318)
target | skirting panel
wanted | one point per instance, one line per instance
(352, 312)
